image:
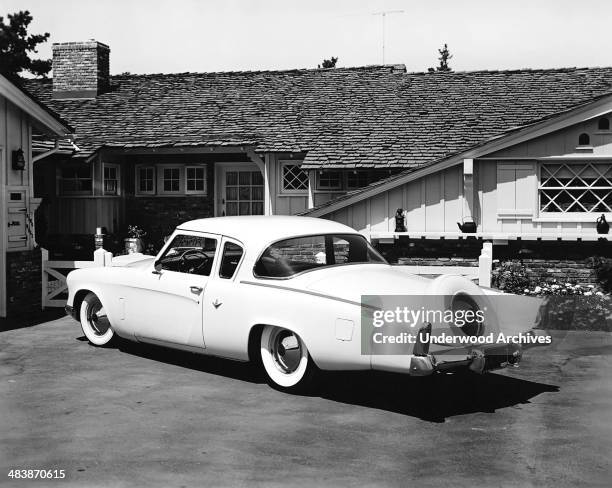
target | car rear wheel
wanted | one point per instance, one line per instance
(286, 360)
(94, 321)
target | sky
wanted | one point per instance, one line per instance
(169, 36)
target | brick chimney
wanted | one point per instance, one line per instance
(80, 69)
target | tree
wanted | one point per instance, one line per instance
(445, 55)
(16, 46)
(329, 63)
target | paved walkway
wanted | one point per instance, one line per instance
(142, 416)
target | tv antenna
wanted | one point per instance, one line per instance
(383, 14)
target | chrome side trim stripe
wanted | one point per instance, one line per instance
(306, 292)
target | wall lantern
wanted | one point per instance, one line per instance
(18, 160)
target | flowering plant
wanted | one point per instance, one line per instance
(554, 288)
(135, 232)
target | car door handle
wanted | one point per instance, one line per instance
(196, 290)
(217, 303)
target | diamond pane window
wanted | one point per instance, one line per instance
(576, 187)
(294, 178)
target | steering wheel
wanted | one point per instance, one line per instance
(183, 260)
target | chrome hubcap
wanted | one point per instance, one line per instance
(286, 351)
(98, 320)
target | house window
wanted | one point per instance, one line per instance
(329, 180)
(357, 179)
(195, 179)
(171, 180)
(575, 187)
(111, 179)
(294, 179)
(603, 123)
(145, 180)
(76, 180)
(584, 140)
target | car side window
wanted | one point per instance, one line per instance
(232, 253)
(190, 254)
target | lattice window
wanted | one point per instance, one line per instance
(294, 178)
(576, 187)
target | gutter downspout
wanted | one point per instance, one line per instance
(48, 153)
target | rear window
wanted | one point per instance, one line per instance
(292, 256)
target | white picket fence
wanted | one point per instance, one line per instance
(54, 275)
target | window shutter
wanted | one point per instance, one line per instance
(516, 190)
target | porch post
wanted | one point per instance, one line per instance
(312, 176)
(468, 189)
(264, 167)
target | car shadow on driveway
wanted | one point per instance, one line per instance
(432, 398)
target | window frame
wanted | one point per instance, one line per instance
(325, 236)
(204, 190)
(60, 181)
(286, 191)
(221, 253)
(117, 168)
(203, 235)
(560, 216)
(160, 180)
(138, 190)
(330, 187)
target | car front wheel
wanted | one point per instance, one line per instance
(286, 360)
(94, 321)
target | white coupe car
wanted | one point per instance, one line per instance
(282, 292)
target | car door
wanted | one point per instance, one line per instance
(167, 307)
(226, 304)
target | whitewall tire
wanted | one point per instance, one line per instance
(286, 360)
(94, 321)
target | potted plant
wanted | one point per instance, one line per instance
(133, 241)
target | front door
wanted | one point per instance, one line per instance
(240, 190)
(166, 307)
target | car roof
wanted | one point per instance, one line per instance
(259, 230)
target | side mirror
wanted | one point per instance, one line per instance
(158, 267)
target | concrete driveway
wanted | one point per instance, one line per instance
(144, 416)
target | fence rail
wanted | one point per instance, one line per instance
(54, 275)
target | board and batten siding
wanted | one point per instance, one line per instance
(433, 203)
(284, 203)
(505, 182)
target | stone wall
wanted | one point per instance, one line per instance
(562, 261)
(544, 261)
(426, 252)
(23, 283)
(159, 216)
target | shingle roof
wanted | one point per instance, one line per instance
(343, 117)
(397, 178)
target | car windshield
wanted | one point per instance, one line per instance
(289, 257)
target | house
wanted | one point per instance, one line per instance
(156, 150)
(519, 152)
(20, 115)
(535, 191)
